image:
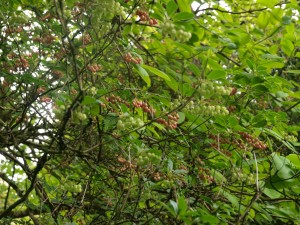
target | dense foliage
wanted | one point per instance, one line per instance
(149, 112)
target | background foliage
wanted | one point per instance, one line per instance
(149, 112)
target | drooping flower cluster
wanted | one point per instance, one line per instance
(144, 17)
(144, 106)
(130, 59)
(171, 122)
(253, 141)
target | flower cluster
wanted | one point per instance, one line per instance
(152, 22)
(143, 105)
(171, 122)
(148, 158)
(156, 176)
(168, 28)
(210, 88)
(253, 141)
(144, 16)
(94, 68)
(57, 74)
(46, 39)
(12, 30)
(204, 175)
(220, 140)
(40, 90)
(202, 108)
(127, 121)
(126, 164)
(116, 99)
(47, 16)
(45, 99)
(129, 58)
(242, 177)
(21, 63)
(103, 12)
(86, 39)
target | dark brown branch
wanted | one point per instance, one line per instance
(241, 219)
(35, 220)
(37, 169)
(92, 208)
(11, 183)
(229, 12)
(293, 106)
(24, 213)
(14, 159)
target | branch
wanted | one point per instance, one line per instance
(35, 220)
(255, 197)
(11, 183)
(91, 207)
(24, 213)
(12, 158)
(225, 11)
(37, 169)
(253, 200)
(293, 106)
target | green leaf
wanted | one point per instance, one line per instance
(89, 100)
(281, 94)
(159, 126)
(153, 131)
(272, 64)
(185, 5)
(259, 121)
(263, 19)
(232, 121)
(216, 74)
(182, 205)
(276, 183)
(208, 219)
(281, 166)
(272, 57)
(286, 20)
(280, 138)
(173, 84)
(157, 72)
(170, 165)
(182, 16)
(271, 193)
(194, 69)
(287, 46)
(250, 64)
(110, 121)
(143, 73)
(171, 7)
(174, 207)
(268, 3)
(233, 199)
(187, 90)
(295, 159)
(260, 89)
(293, 71)
(181, 117)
